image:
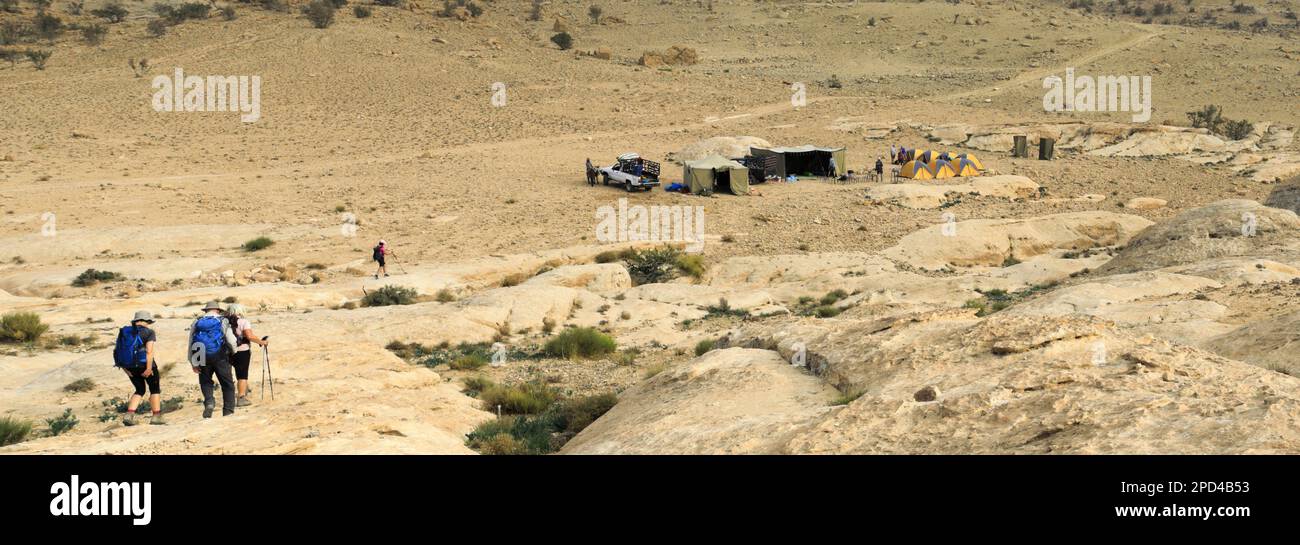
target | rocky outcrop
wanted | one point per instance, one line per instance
(946, 382)
(991, 242)
(1286, 196)
(1229, 228)
(936, 195)
(732, 401)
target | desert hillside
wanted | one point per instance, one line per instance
(1138, 293)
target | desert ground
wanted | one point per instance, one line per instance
(1138, 293)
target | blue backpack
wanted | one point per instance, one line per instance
(208, 331)
(130, 351)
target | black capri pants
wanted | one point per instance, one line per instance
(139, 381)
(240, 361)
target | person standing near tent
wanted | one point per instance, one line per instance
(834, 168)
(134, 354)
(380, 255)
(211, 344)
(880, 170)
(893, 154)
(244, 337)
(591, 173)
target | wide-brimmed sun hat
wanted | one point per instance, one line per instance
(143, 316)
(212, 305)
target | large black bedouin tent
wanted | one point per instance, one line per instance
(799, 160)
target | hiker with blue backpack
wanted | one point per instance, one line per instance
(212, 342)
(133, 354)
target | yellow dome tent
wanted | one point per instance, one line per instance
(916, 170)
(973, 159)
(941, 169)
(925, 155)
(964, 167)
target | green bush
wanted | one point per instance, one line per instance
(1238, 129)
(48, 26)
(62, 423)
(501, 444)
(653, 266)
(575, 414)
(112, 12)
(90, 277)
(691, 265)
(192, 10)
(21, 327)
(13, 430)
(827, 311)
(156, 28)
(526, 398)
(833, 297)
(563, 40)
(704, 347)
(320, 13)
(390, 295)
(468, 362)
(94, 33)
(259, 243)
(512, 435)
(80, 385)
(1210, 117)
(39, 57)
(361, 12)
(848, 397)
(579, 343)
(170, 405)
(543, 433)
(12, 32)
(228, 13)
(475, 385)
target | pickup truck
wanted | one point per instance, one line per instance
(632, 172)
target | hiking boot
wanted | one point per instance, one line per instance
(243, 402)
(385, 275)
(157, 420)
(376, 277)
(128, 419)
(207, 409)
(227, 412)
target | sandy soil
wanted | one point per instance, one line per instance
(390, 119)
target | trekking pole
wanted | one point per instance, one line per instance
(266, 370)
(263, 398)
(399, 266)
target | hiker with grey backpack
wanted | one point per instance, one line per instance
(211, 345)
(133, 354)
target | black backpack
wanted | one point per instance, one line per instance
(378, 253)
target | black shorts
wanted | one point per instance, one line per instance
(140, 381)
(240, 361)
(381, 262)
